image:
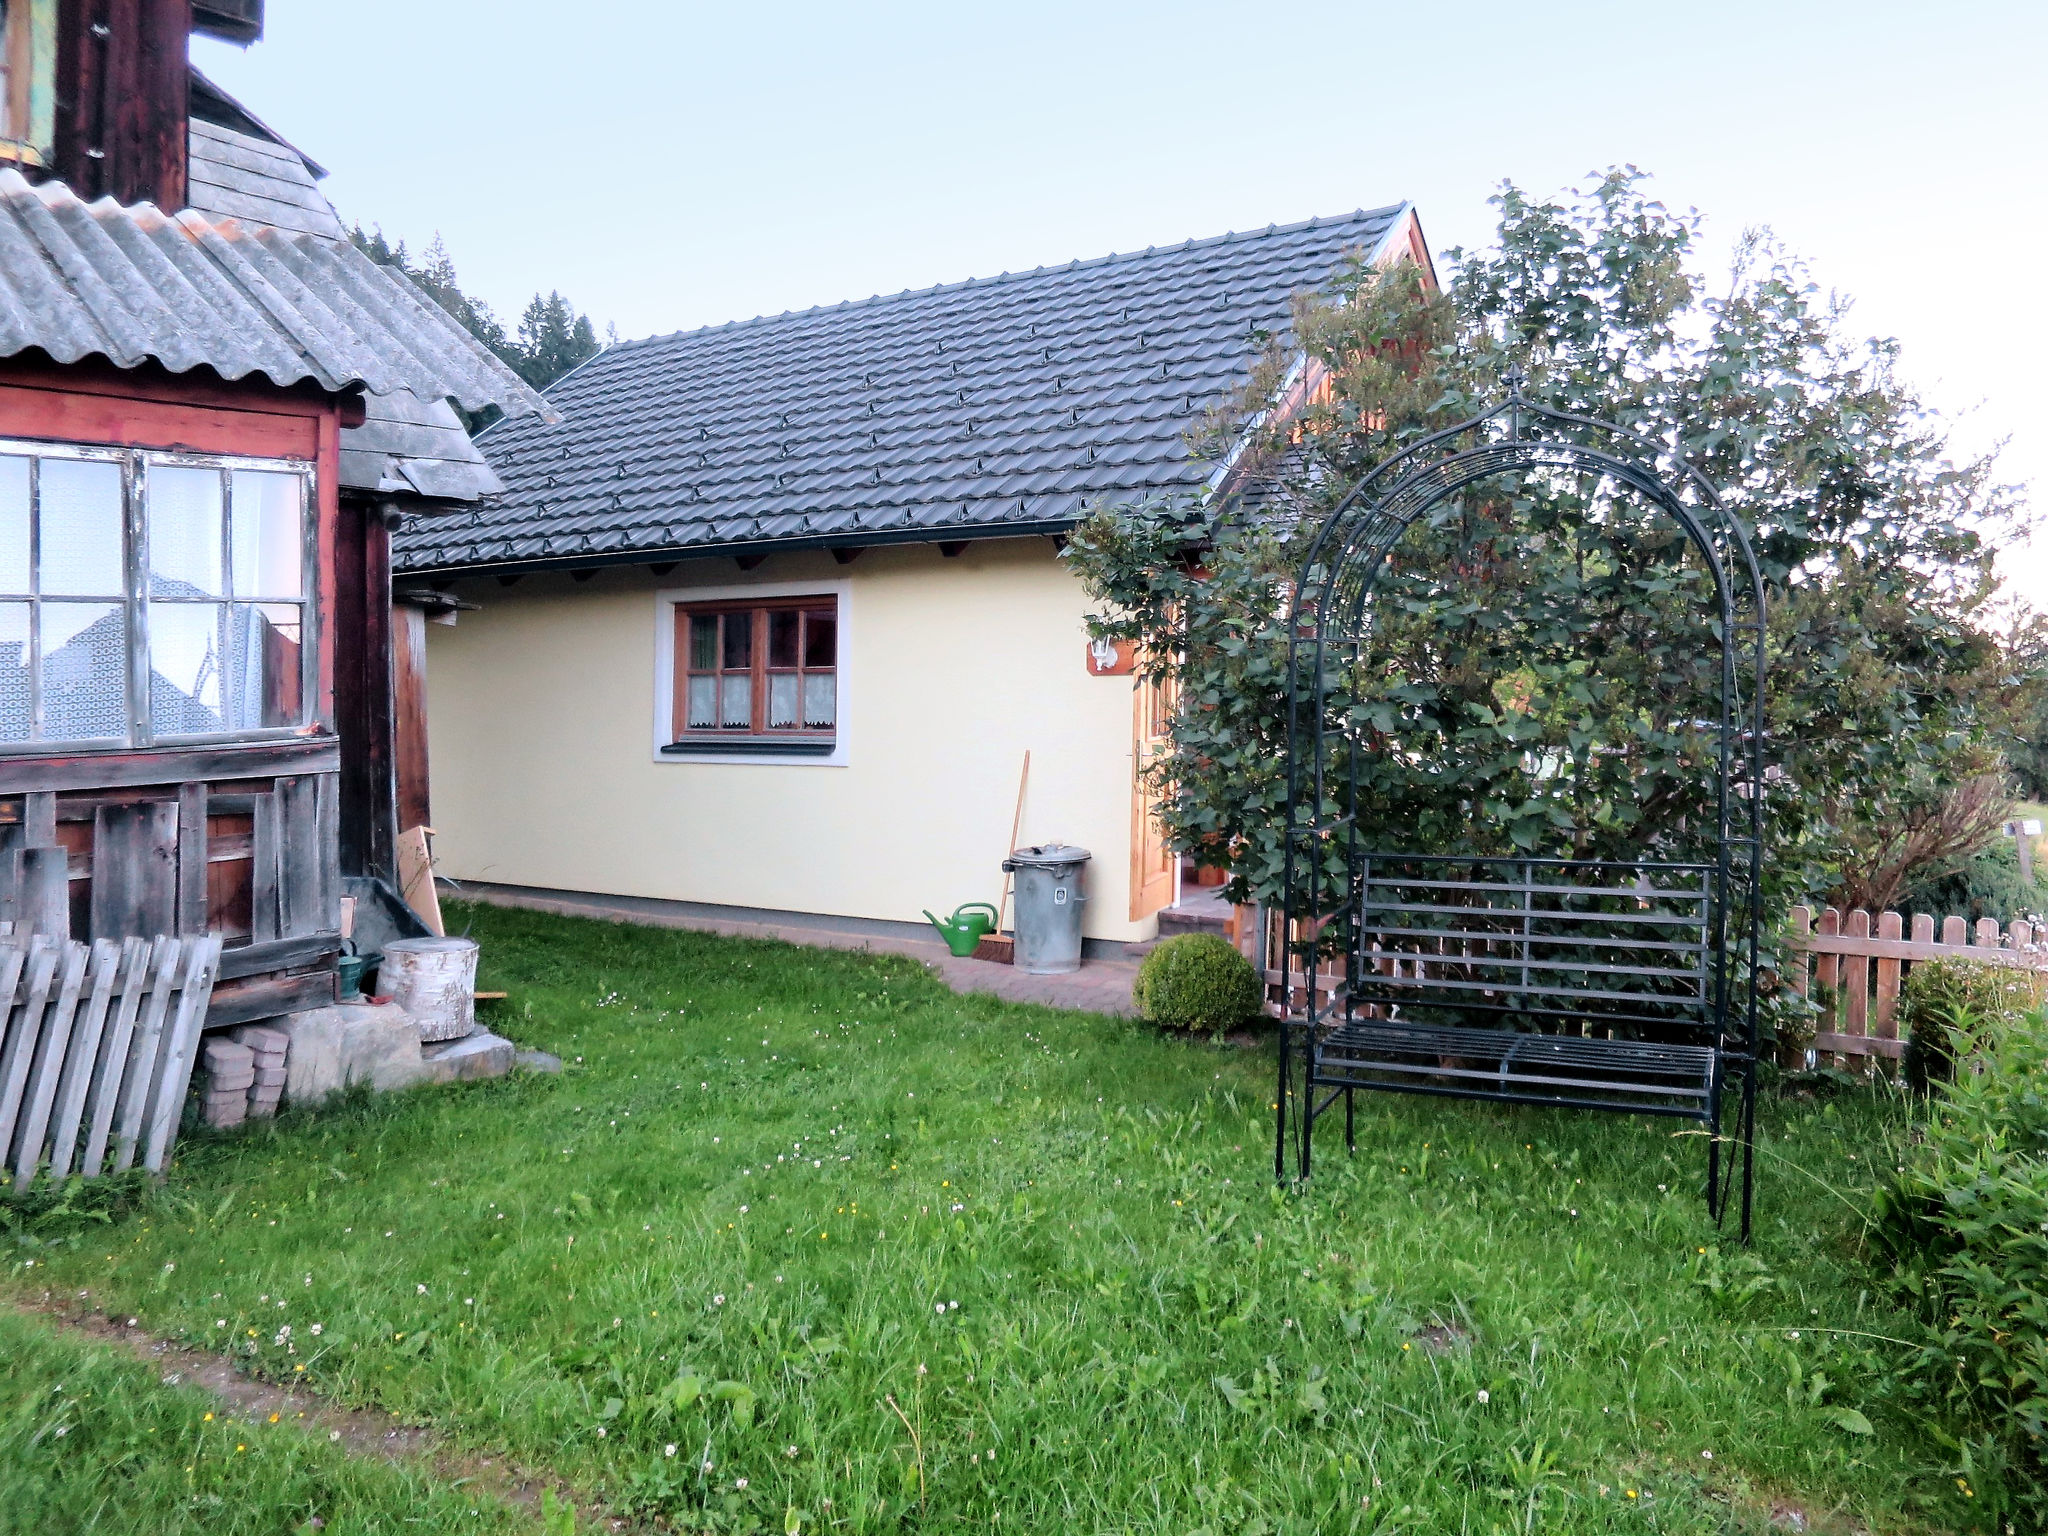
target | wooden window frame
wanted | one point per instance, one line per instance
(758, 737)
(28, 97)
(137, 600)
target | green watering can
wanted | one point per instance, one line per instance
(966, 928)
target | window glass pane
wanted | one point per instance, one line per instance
(703, 642)
(13, 523)
(739, 700)
(266, 537)
(185, 651)
(14, 697)
(782, 637)
(821, 634)
(264, 672)
(81, 528)
(184, 532)
(821, 700)
(703, 707)
(782, 698)
(739, 639)
(85, 671)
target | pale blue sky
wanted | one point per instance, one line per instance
(668, 165)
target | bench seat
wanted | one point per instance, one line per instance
(1561, 1071)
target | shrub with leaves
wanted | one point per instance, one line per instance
(1941, 997)
(1965, 1224)
(1540, 671)
(1197, 981)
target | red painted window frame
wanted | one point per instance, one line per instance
(757, 611)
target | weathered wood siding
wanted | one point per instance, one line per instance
(253, 858)
(236, 839)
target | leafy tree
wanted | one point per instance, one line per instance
(552, 336)
(1541, 660)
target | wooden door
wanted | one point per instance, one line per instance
(1153, 863)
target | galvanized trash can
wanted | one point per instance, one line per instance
(1049, 903)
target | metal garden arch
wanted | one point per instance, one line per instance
(1627, 986)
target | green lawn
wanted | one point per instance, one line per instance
(90, 1441)
(801, 1239)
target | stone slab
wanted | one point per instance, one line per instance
(473, 1056)
(333, 1047)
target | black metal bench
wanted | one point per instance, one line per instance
(1582, 985)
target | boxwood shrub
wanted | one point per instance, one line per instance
(1198, 981)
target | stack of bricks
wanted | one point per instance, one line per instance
(267, 1046)
(230, 1074)
(244, 1075)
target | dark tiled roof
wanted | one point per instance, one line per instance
(1003, 404)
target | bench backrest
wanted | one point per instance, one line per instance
(1562, 947)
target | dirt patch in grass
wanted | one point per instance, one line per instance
(359, 1431)
(1441, 1338)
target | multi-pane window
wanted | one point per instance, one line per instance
(150, 597)
(762, 673)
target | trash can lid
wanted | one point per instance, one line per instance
(430, 946)
(1049, 854)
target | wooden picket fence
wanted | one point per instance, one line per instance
(97, 1045)
(1863, 962)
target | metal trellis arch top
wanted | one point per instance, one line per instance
(1622, 985)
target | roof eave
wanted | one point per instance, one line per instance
(555, 564)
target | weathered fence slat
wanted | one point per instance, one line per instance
(181, 1049)
(80, 1062)
(47, 1069)
(75, 1062)
(24, 1024)
(103, 1097)
(1862, 971)
(144, 1053)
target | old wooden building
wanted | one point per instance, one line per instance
(212, 407)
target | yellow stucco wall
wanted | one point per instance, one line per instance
(541, 718)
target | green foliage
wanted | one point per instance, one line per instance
(1198, 981)
(1541, 656)
(1986, 884)
(1118, 1247)
(1942, 997)
(552, 337)
(1965, 1222)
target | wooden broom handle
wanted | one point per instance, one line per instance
(1016, 821)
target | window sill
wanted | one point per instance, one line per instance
(750, 746)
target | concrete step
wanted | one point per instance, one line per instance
(1209, 917)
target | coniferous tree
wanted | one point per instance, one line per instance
(553, 336)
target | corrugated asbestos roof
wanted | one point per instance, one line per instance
(239, 176)
(410, 446)
(1006, 403)
(188, 291)
(406, 446)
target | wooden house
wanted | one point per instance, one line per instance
(212, 408)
